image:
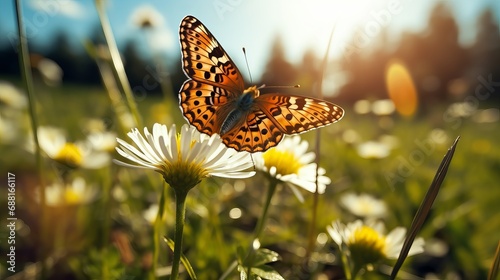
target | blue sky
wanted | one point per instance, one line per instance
(243, 23)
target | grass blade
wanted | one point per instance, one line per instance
(24, 64)
(117, 63)
(184, 260)
(317, 148)
(424, 208)
(492, 275)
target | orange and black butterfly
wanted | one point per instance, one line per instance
(214, 98)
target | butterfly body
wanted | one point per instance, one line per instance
(243, 106)
(214, 98)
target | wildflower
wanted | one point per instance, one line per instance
(146, 17)
(351, 136)
(364, 205)
(362, 106)
(151, 213)
(491, 115)
(368, 243)
(183, 159)
(373, 150)
(289, 162)
(76, 192)
(8, 131)
(11, 97)
(383, 107)
(102, 141)
(50, 71)
(73, 155)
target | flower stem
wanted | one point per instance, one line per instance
(347, 266)
(267, 203)
(24, 63)
(260, 224)
(180, 215)
(156, 232)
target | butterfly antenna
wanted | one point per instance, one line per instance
(248, 67)
(295, 86)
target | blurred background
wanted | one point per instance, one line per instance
(449, 50)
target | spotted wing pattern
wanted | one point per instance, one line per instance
(204, 59)
(297, 114)
(205, 106)
(214, 86)
(257, 134)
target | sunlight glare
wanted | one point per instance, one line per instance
(317, 20)
(401, 89)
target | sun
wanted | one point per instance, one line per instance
(347, 19)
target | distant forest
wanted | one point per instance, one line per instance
(442, 68)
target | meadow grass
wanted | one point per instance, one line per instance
(464, 220)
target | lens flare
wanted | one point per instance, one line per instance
(401, 89)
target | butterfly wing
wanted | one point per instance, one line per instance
(257, 134)
(204, 105)
(204, 59)
(214, 86)
(275, 115)
(297, 114)
(214, 83)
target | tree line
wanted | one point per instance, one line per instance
(441, 67)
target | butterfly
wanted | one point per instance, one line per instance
(214, 98)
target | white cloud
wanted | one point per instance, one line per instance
(69, 8)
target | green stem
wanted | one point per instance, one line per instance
(24, 64)
(347, 266)
(180, 215)
(106, 207)
(156, 232)
(118, 68)
(260, 224)
(267, 203)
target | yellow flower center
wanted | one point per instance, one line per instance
(182, 174)
(366, 246)
(72, 197)
(69, 155)
(284, 161)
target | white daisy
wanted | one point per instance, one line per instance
(146, 16)
(373, 150)
(364, 205)
(11, 96)
(151, 213)
(368, 243)
(74, 155)
(383, 107)
(183, 159)
(102, 141)
(290, 162)
(75, 193)
(50, 71)
(8, 130)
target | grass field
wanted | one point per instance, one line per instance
(109, 235)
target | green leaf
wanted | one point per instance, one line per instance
(267, 272)
(184, 260)
(494, 266)
(264, 256)
(425, 207)
(260, 272)
(259, 269)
